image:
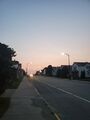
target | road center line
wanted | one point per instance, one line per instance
(68, 92)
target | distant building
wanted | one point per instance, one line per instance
(59, 71)
(54, 71)
(44, 71)
(65, 71)
(87, 70)
(81, 70)
(38, 73)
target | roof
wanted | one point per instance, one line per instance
(56, 67)
(81, 63)
(62, 66)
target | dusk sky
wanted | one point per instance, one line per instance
(40, 30)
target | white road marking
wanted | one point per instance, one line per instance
(51, 108)
(67, 92)
(57, 116)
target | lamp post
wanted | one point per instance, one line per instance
(30, 68)
(69, 68)
(27, 68)
(28, 65)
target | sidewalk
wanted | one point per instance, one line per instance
(22, 105)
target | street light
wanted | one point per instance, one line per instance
(28, 65)
(68, 62)
(68, 57)
(27, 68)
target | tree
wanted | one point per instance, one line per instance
(63, 72)
(49, 70)
(6, 55)
(58, 74)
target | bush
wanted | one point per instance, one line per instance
(4, 105)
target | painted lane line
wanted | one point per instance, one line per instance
(74, 95)
(51, 108)
(83, 99)
(56, 115)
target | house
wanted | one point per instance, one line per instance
(50, 71)
(38, 73)
(65, 71)
(44, 71)
(62, 71)
(54, 71)
(81, 70)
(87, 70)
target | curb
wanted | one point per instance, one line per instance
(57, 117)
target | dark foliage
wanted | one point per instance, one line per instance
(49, 70)
(6, 55)
(58, 74)
(63, 73)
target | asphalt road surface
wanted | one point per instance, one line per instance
(70, 99)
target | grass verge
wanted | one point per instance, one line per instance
(4, 105)
(13, 84)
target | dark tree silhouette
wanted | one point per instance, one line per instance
(58, 74)
(49, 70)
(63, 72)
(6, 55)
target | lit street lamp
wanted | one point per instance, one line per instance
(68, 57)
(68, 63)
(27, 68)
(28, 65)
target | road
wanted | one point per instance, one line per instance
(70, 99)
